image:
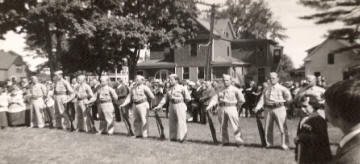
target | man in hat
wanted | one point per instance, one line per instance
(176, 95)
(105, 96)
(63, 93)
(38, 93)
(273, 100)
(228, 99)
(139, 96)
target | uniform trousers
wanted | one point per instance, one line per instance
(82, 114)
(37, 112)
(177, 121)
(226, 115)
(140, 119)
(106, 117)
(277, 115)
(61, 116)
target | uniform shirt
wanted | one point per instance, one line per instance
(62, 87)
(106, 94)
(229, 95)
(176, 93)
(140, 93)
(83, 91)
(274, 94)
(38, 90)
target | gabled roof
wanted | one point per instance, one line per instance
(9, 58)
(314, 49)
(219, 25)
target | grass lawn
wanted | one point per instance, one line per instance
(26, 145)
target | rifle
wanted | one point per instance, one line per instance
(159, 125)
(126, 121)
(212, 128)
(260, 128)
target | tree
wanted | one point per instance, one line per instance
(253, 20)
(330, 11)
(286, 65)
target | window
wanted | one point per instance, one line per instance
(201, 72)
(331, 58)
(228, 51)
(186, 73)
(193, 49)
(19, 70)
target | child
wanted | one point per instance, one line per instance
(4, 102)
(312, 141)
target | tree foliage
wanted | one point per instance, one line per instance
(286, 65)
(95, 35)
(331, 11)
(253, 20)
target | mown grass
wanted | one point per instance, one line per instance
(26, 145)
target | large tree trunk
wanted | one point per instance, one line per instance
(132, 62)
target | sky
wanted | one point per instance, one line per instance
(302, 34)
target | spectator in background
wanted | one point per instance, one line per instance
(250, 99)
(342, 102)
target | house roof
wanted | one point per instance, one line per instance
(9, 58)
(226, 61)
(219, 25)
(156, 63)
(345, 43)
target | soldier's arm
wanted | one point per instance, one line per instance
(149, 93)
(162, 102)
(114, 96)
(286, 94)
(260, 103)
(89, 93)
(126, 101)
(186, 94)
(240, 98)
(93, 98)
(71, 92)
(213, 101)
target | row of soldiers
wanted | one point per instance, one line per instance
(140, 98)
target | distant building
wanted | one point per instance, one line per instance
(12, 66)
(323, 61)
(189, 62)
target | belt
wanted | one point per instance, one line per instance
(122, 97)
(103, 102)
(60, 94)
(36, 97)
(140, 101)
(176, 101)
(227, 104)
(274, 105)
(80, 99)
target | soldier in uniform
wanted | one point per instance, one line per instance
(38, 93)
(273, 100)
(176, 95)
(139, 95)
(63, 93)
(105, 96)
(83, 94)
(311, 89)
(228, 99)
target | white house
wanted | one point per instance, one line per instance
(323, 61)
(11, 65)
